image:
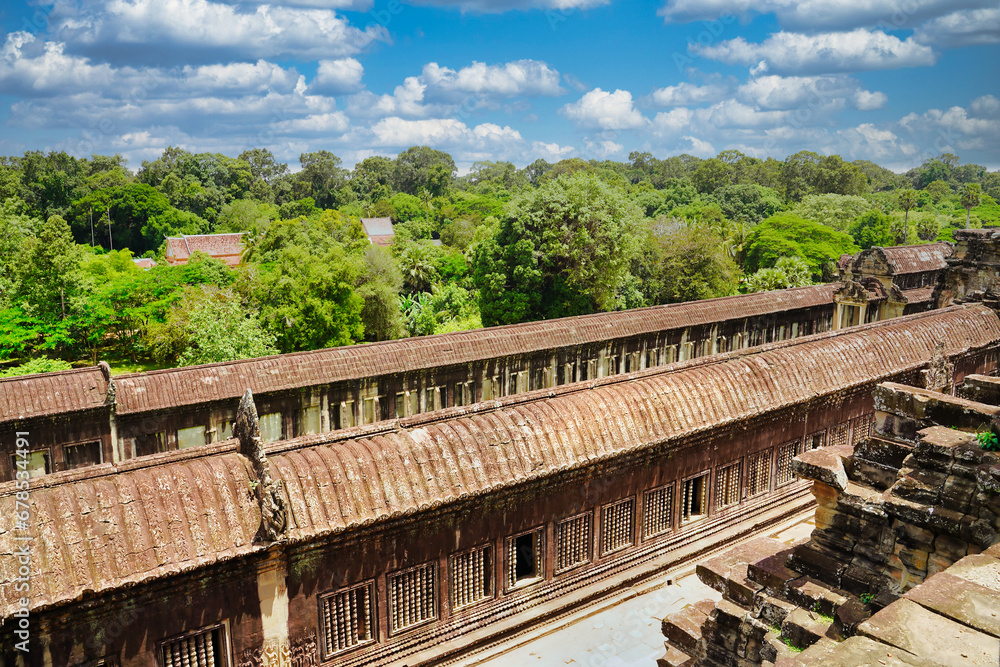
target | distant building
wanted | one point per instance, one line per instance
(226, 247)
(379, 231)
(144, 262)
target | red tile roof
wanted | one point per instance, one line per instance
(155, 390)
(227, 247)
(106, 528)
(917, 258)
(43, 394)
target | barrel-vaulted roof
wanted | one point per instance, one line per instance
(157, 390)
(45, 394)
(105, 527)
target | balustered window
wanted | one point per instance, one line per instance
(205, 648)
(524, 558)
(727, 484)
(617, 521)
(758, 473)
(786, 453)
(694, 500)
(348, 618)
(658, 511)
(471, 577)
(573, 539)
(412, 597)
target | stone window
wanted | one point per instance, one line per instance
(524, 558)
(727, 484)
(617, 521)
(862, 427)
(610, 366)
(568, 373)
(489, 389)
(687, 351)
(430, 393)
(414, 398)
(839, 433)
(412, 597)
(150, 443)
(348, 618)
(591, 369)
(786, 453)
(369, 409)
(694, 501)
(816, 440)
(658, 511)
(205, 648)
(36, 463)
(271, 426)
(652, 358)
(573, 541)
(190, 437)
(758, 473)
(471, 577)
(671, 354)
(82, 454)
(633, 361)
(348, 417)
(223, 429)
(400, 404)
(307, 421)
(442, 397)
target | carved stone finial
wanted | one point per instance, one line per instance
(940, 373)
(268, 492)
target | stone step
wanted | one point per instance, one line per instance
(682, 629)
(772, 610)
(812, 594)
(717, 572)
(674, 657)
(771, 571)
(883, 451)
(803, 628)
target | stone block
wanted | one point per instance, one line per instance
(958, 493)
(882, 451)
(804, 628)
(920, 486)
(950, 547)
(873, 474)
(771, 572)
(856, 651)
(772, 610)
(913, 559)
(683, 628)
(824, 465)
(980, 568)
(674, 657)
(814, 595)
(909, 626)
(850, 614)
(813, 561)
(912, 535)
(938, 563)
(826, 496)
(960, 600)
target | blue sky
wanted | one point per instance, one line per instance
(893, 81)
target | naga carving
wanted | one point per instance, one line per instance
(268, 492)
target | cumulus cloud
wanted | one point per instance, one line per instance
(498, 6)
(817, 93)
(605, 110)
(685, 94)
(334, 77)
(30, 66)
(401, 132)
(551, 152)
(163, 30)
(796, 53)
(963, 28)
(440, 90)
(818, 14)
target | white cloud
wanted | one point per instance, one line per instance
(259, 77)
(871, 142)
(964, 28)
(499, 6)
(986, 106)
(604, 110)
(334, 122)
(795, 53)
(520, 77)
(30, 66)
(551, 152)
(603, 148)
(673, 121)
(700, 148)
(395, 131)
(338, 76)
(818, 14)
(167, 29)
(818, 94)
(685, 94)
(956, 128)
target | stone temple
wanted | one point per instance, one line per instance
(409, 503)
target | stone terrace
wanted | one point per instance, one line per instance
(903, 567)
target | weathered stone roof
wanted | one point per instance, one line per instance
(157, 390)
(107, 527)
(42, 394)
(915, 258)
(227, 247)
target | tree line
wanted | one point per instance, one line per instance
(498, 245)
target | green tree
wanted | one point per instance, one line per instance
(379, 288)
(788, 235)
(749, 202)
(422, 168)
(873, 228)
(787, 272)
(209, 325)
(907, 199)
(38, 365)
(971, 195)
(563, 249)
(832, 210)
(681, 262)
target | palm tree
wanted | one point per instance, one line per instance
(972, 196)
(907, 199)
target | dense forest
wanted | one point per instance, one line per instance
(498, 245)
